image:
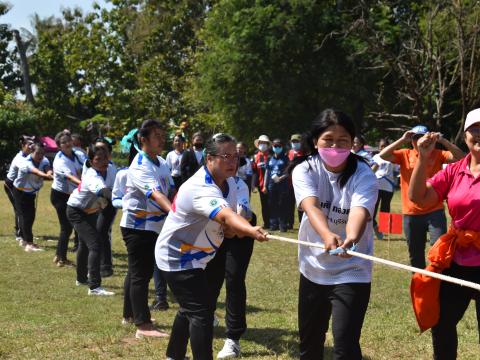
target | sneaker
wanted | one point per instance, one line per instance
(378, 234)
(32, 248)
(127, 321)
(22, 243)
(99, 291)
(159, 305)
(80, 283)
(66, 262)
(231, 349)
(56, 259)
(18, 238)
(216, 322)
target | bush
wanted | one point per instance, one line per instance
(15, 120)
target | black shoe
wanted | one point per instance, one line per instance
(159, 305)
(106, 273)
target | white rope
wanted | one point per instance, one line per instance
(460, 282)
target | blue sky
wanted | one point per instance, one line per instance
(22, 10)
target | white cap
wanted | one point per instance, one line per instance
(473, 117)
(263, 138)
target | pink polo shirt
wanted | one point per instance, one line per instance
(461, 189)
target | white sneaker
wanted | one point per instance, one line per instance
(231, 349)
(18, 238)
(32, 248)
(22, 243)
(79, 283)
(99, 291)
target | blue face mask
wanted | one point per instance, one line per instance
(277, 149)
(295, 146)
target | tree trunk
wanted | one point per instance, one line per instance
(22, 50)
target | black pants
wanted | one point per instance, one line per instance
(104, 227)
(231, 263)
(59, 201)
(194, 319)
(265, 208)
(177, 181)
(141, 257)
(383, 201)
(25, 204)
(89, 246)
(8, 187)
(278, 202)
(346, 303)
(160, 283)
(454, 301)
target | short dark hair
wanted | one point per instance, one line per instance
(60, 135)
(147, 127)
(212, 144)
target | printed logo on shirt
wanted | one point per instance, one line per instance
(213, 202)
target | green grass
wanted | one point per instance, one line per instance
(43, 315)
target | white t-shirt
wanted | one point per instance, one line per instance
(246, 170)
(190, 237)
(243, 199)
(86, 195)
(198, 155)
(64, 166)
(25, 180)
(143, 178)
(13, 169)
(173, 160)
(310, 178)
(384, 174)
(119, 187)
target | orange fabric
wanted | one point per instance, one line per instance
(425, 290)
(407, 159)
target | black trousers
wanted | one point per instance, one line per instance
(383, 201)
(346, 303)
(194, 319)
(454, 301)
(8, 187)
(89, 246)
(177, 181)
(265, 208)
(104, 227)
(231, 263)
(141, 257)
(278, 202)
(25, 204)
(59, 201)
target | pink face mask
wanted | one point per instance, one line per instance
(333, 157)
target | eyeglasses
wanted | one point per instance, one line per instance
(228, 157)
(475, 131)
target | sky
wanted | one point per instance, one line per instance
(20, 14)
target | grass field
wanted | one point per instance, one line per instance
(43, 315)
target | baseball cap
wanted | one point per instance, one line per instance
(296, 137)
(419, 130)
(473, 117)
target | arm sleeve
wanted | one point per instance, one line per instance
(119, 186)
(441, 183)
(397, 156)
(208, 202)
(445, 156)
(305, 182)
(365, 191)
(144, 180)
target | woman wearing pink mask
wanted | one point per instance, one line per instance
(337, 191)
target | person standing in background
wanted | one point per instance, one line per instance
(418, 220)
(276, 185)
(26, 143)
(359, 149)
(174, 160)
(259, 166)
(294, 152)
(31, 173)
(192, 158)
(386, 185)
(245, 171)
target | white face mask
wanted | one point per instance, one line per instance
(263, 147)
